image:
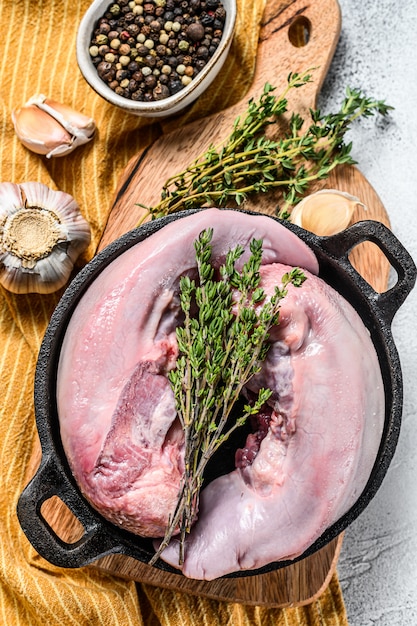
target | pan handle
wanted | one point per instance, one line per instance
(50, 481)
(341, 244)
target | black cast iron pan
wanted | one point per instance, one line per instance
(54, 476)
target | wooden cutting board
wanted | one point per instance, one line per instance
(295, 36)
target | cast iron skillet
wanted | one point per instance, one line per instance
(54, 476)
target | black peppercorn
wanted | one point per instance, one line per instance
(137, 95)
(133, 67)
(138, 76)
(150, 60)
(207, 19)
(133, 30)
(194, 5)
(195, 31)
(142, 50)
(161, 50)
(150, 81)
(175, 86)
(121, 74)
(133, 85)
(103, 50)
(203, 52)
(106, 71)
(104, 28)
(199, 64)
(161, 92)
(220, 13)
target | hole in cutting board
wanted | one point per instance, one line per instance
(299, 31)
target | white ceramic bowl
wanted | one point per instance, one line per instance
(162, 108)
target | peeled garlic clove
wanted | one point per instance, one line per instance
(42, 233)
(325, 212)
(48, 127)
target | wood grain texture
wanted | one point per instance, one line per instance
(142, 181)
(294, 585)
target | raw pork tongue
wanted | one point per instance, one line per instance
(326, 421)
(115, 406)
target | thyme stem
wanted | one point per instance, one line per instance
(220, 348)
(248, 162)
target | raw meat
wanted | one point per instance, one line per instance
(317, 441)
(115, 406)
(325, 427)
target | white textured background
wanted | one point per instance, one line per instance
(377, 53)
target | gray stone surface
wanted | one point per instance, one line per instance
(377, 53)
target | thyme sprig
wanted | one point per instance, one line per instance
(222, 343)
(250, 162)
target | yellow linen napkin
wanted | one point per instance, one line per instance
(38, 56)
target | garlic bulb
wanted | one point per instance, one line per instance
(51, 128)
(42, 233)
(325, 212)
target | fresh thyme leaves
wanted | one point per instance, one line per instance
(222, 344)
(249, 162)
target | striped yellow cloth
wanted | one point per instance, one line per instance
(38, 56)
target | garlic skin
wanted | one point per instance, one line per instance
(42, 233)
(325, 212)
(51, 128)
